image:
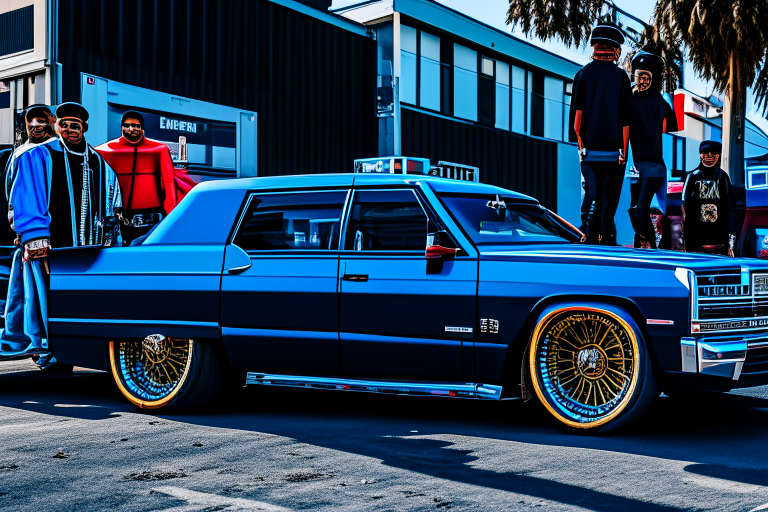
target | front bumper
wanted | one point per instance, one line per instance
(724, 356)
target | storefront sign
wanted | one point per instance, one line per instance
(176, 125)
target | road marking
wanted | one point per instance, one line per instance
(761, 507)
(214, 500)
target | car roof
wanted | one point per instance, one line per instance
(296, 181)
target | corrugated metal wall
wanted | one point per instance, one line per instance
(311, 83)
(523, 164)
(17, 30)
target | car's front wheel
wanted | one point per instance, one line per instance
(590, 368)
(163, 372)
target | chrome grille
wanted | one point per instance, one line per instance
(756, 362)
(726, 301)
(727, 294)
(733, 308)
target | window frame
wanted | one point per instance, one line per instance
(253, 193)
(431, 215)
(447, 77)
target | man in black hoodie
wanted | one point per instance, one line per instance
(651, 117)
(708, 222)
(600, 116)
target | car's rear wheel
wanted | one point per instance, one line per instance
(163, 372)
(590, 368)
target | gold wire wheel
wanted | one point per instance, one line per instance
(584, 362)
(151, 372)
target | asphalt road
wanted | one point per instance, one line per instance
(71, 443)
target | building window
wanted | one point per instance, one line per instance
(17, 31)
(408, 52)
(553, 108)
(487, 66)
(567, 89)
(486, 94)
(518, 100)
(673, 150)
(429, 93)
(680, 154)
(502, 95)
(536, 110)
(464, 83)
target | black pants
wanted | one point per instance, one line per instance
(602, 191)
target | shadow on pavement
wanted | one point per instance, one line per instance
(381, 426)
(752, 476)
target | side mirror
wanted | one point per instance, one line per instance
(440, 245)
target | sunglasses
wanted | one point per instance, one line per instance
(71, 125)
(132, 125)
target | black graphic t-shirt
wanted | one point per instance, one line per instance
(706, 208)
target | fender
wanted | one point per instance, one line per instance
(515, 367)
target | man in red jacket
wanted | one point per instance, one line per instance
(146, 174)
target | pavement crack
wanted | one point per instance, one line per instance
(155, 475)
(303, 476)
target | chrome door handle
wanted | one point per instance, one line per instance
(355, 277)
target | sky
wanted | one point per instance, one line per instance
(494, 13)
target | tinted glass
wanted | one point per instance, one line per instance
(386, 221)
(292, 221)
(514, 222)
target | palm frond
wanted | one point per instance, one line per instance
(570, 21)
(714, 32)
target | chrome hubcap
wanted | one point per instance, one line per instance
(153, 368)
(586, 361)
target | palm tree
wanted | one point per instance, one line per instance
(727, 42)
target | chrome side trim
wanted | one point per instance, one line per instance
(682, 275)
(723, 359)
(688, 352)
(459, 390)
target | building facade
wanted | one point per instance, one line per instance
(450, 88)
(269, 87)
(278, 86)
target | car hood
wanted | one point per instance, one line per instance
(616, 256)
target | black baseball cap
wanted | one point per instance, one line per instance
(72, 109)
(607, 35)
(711, 146)
(36, 110)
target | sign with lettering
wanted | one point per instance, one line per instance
(177, 125)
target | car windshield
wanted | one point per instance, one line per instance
(493, 219)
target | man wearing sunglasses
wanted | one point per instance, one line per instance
(60, 192)
(146, 173)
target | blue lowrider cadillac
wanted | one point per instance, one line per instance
(409, 285)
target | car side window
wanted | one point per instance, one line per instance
(291, 221)
(386, 220)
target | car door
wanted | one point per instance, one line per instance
(279, 289)
(397, 319)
